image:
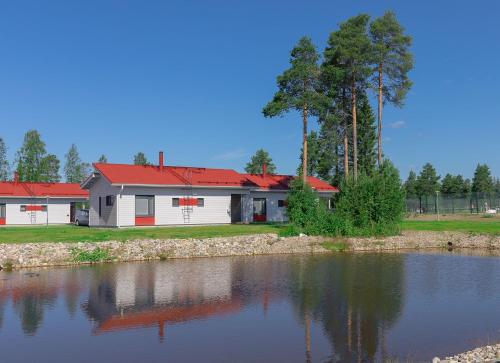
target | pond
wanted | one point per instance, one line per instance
(301, 308)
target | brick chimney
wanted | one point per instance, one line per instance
(16, 177)
(264, 170)
(160, 160)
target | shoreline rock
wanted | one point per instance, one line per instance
(488, 354)
(61, 254)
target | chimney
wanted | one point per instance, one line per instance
(16, 177)
(264, 170)
(160, 160)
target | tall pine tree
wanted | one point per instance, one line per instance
(75, 169)
(4, 163)
(30, 157)
(298, 90)
(261, 157)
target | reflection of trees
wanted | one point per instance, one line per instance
(356, 297)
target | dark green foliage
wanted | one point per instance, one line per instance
(30, 156)
(482, 181)
(303, 204)
(75, 169)
(261, 157)
(50, 169)
(298, 88)
(96, 255)
(313, 154)
(102, 159)
(373, 204)
(367, 137)
(455, 185)
(428, 181)
(140, 159)
(4, 163)
(411, 185)
(391, 52)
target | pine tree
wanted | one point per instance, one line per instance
(428, 181)
(4, 163)
(367, 138)
(102, 159)
(74, 169)
(30, 156)
(261, 157)
(313, 155)
(482, 181)
(50, 169)
(411, 185)
(393, 61)
(351, 47)
(140, 159)
(298, 90)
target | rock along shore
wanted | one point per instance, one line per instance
(488, 354)
(21, 255)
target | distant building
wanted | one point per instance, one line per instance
(23, 203)
(153, 195)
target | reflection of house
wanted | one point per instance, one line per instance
(142, 295)
(130, 195)
(39, 203)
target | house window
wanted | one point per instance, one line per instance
(282, 203)
(175, 202)
(43, 208)
(100, 206)
(144, 205)
(2, 210)
(23, 208)
(201, 202)
(109, 200)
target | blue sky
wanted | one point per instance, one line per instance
(191, 77)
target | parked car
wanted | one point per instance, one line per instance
(82, 217)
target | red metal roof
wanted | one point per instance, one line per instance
(181, 175)
(281, 182)
(25, 189)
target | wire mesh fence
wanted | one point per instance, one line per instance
(453, 203)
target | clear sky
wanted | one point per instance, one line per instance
(191, 77)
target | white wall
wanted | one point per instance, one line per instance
(58, 209)
(215, 211)
(102, 188)
(274, 213)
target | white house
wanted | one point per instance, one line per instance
(153, 195)
(23, 203)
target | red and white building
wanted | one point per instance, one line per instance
(23, 203)
(123, 195)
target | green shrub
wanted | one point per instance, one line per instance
(371, 205)
(7, 266)
(96, 255)
(289, 231)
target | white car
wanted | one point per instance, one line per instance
(82, 217)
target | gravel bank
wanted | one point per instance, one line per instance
(51, 254)
(489, 354)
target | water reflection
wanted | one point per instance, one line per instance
(348, 307)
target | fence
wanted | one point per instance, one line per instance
(453, 203)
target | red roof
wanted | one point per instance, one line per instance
(25, 189)
(181, 175)
(281, 182)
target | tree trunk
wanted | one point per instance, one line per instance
(346, 152)
(379, 146)
(307, 325)
(354, 132)
(304, 146)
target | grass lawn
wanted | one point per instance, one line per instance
(85, 234)
(477, 225)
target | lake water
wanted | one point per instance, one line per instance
(328, 308)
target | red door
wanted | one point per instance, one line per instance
(259, 210)
(2, 215)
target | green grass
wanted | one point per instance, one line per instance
(479, 226)
(94, 256)
(84, 234)
(335, 246)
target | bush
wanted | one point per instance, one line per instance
(96, 255)
(374, 205)
(371, 205)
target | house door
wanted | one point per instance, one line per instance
(235, 208)
(259, 210)
(2, 214)
(72, 212)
